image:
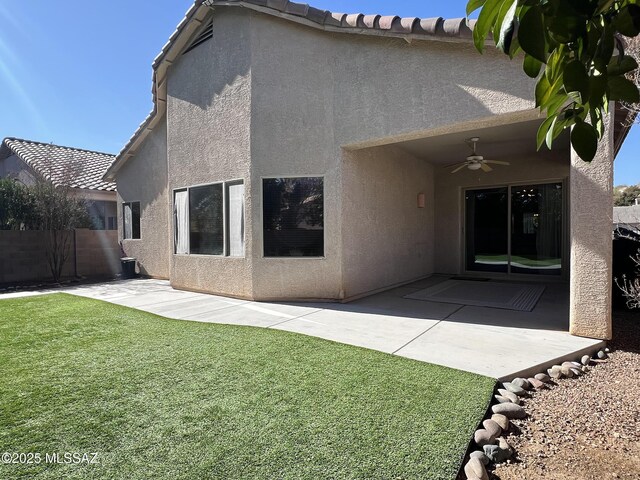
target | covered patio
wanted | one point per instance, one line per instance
(506, 211)
(496, 342)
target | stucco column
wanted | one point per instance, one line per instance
(591, 212)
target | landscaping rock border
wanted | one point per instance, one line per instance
(493, 447)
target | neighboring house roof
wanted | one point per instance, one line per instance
(411, 28)
(74, 167)
(627, 215)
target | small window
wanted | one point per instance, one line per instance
(131, 220)
(293, 217)
(209, 219)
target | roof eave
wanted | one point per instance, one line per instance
(452, 30)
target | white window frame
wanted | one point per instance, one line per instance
(225, 219)
(324, 218)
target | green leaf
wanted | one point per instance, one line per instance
(627, 21)
(473, 5)
(575, 79)
(485, 22)
(605, 48)
(507, 21)
(597, 120)
(546, 92)
(548, 139)
(598, 88)
(515, 44)
(603, 5)
(584, 140)
(622, 89)
(543, 130)
(531, 34)
(555, 103)
(620, 67)
(531, 66)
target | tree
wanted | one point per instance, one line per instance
(576, 50)
(624, 196)
(16, 206)
(58, 212)
(631, 287)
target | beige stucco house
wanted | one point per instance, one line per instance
(294, 153)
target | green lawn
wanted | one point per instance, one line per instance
(159, 398)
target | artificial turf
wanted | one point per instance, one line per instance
(160, 398)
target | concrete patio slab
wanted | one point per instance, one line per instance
(493, 342)
(495, 351)
(386, 333)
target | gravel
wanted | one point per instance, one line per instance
(586, 427)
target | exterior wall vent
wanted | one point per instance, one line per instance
(205, 34)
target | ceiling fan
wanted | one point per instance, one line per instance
(475, 161)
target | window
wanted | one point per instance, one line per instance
(102, 215)
(209, 220)
(131, 219)
(293, 217)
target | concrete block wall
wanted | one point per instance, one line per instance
(23, 258)
(97, 253)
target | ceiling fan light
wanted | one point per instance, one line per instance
(474, 166)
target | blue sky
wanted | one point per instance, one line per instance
(79, 73)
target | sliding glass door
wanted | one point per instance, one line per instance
(516, 229)
(487, 230)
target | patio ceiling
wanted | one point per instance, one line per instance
(498, 143)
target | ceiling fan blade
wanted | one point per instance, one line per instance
(485, 167)
(454, 164)
(459, 168)
(497, 162)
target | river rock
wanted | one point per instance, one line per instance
(602, 354)
(555, 371)
(522, 383)
(543, 377)
(514, 389)
(501, 420)
(482, 437)
(480, 456)
(505, 450)
(509, 410)
(585, 360)
(537, 384)
(566, 371)
(512, 397)
(501, 399)
(475, 469)
(498, 453)
(492, 427)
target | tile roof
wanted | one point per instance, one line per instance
(62, 165)
(410, 28)
(627, 215)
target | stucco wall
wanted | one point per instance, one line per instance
(15, 168)
(449, 206)
(209, 105)
(144, 179)
(266, 98)
(317, 92)
(386, 239)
